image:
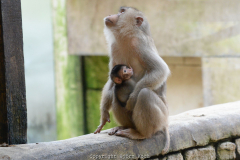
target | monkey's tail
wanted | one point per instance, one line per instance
(167, 141)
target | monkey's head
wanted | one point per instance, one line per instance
(128, 21)
(121, 73)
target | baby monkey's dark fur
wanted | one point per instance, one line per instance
(124, 89)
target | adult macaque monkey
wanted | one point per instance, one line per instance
(130, 43)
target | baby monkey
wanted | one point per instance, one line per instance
(124, 84)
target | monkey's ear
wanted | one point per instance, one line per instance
(139, 21)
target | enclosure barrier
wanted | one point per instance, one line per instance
(205, 133)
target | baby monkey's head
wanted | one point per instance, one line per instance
(121, 73)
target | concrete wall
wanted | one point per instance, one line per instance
(179, 28)
(221, 77)
(190, 138)
(197, 82)
(184, 86)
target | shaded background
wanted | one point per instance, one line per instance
(39, 70)
(66, 59)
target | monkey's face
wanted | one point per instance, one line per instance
(125, 73)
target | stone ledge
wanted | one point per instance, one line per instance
(189, 129)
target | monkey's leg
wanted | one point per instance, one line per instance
(154, 116)
(150, 113)
(130, 133)
(122, 116)
(149, 116)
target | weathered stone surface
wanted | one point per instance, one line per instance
(237, 142)
(200, 126)
(206, 153)
(177, 156)
(226, 151)
(193, 128)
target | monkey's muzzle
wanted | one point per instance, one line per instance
(107, 20)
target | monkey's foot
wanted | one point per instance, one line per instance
(130, 133)
(116, 129)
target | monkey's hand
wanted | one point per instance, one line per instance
(131, 102)
(98, 130)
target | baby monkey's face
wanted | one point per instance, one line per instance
(127, 72)
(124, 74)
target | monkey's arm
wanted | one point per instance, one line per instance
(106, 102)
(156, 74)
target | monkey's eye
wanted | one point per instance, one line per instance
(125, 71)
(122, 10)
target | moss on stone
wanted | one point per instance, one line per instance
(68, 79)
(96, 68)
